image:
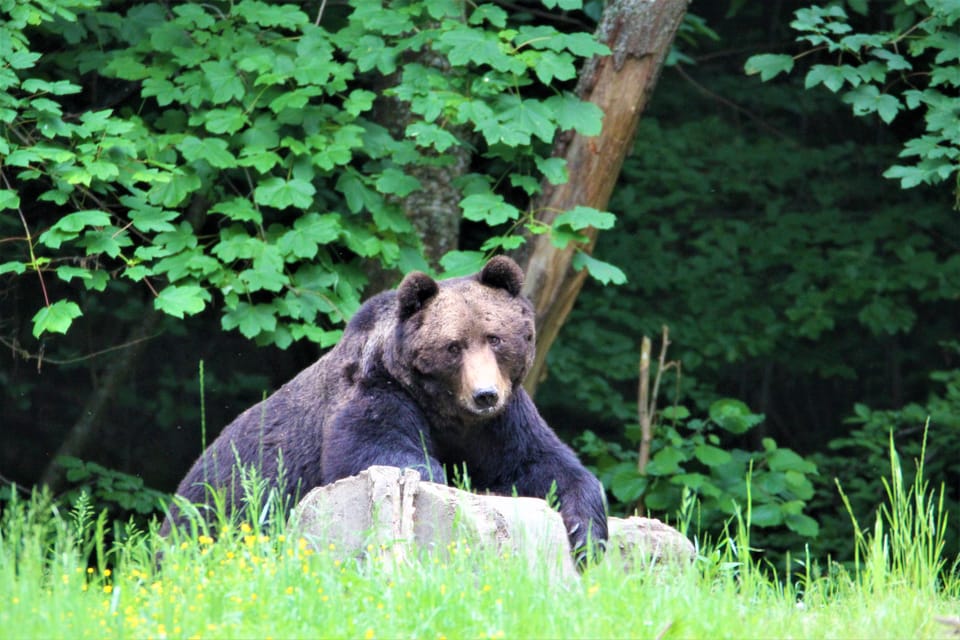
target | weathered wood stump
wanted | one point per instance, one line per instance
(395, 513)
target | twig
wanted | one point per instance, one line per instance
(647, 401)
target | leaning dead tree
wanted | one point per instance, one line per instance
(639, 34)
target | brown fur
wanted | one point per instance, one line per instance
(426, 377)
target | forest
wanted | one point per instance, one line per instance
(195, 197)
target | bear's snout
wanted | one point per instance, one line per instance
(486, 398)
(484, 390)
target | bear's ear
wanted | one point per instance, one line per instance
(503, 273)
(414, 292)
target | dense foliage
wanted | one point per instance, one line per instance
(196, 151)
(754, 221)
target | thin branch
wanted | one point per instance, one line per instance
(663, 367)
(732, 105)
(323, 5)
(29, 239)
(26, 355)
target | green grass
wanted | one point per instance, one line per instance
(262, 583)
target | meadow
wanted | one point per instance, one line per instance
(73, 574)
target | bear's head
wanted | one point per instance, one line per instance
(464, 345)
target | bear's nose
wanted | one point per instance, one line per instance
(485, 398)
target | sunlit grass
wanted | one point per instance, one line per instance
(256, 581)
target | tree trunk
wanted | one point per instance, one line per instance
(434, 209)
(639, 34)
(86, 430)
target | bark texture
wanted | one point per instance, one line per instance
(639, 34)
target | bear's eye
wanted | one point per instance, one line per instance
(494, 341)
(454, 348)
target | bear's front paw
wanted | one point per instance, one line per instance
(587, 543)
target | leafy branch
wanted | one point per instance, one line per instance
(927, 28)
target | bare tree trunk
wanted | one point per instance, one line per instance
(639, 34)
(86, 429)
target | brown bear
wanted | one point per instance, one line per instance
(426, 377)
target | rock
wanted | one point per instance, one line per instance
(647, 541)
(393, 511)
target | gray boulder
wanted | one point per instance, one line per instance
(395, 513)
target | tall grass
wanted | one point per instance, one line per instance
(67, 575)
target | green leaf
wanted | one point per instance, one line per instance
(675, 412)
(710, 455)
(267, 272)
(55, 318)
(251, 319)
(489, 13)
(92, 280)
(571, 112)
(462, 263)
(554, 170)
(909, 176)
(78, 220)
(287, 16)
(9, 199)
(550, 66)
(666, 462)
(626, 484)
(768, 65)
(787, 460)
(181, 300)
(279, 193)
(488, 207)
(867, 99)
(581, 217)
(229, 120)
(109, 241)
(465, 46)
(428, 134)
(239, 209)
(503, 243)
(149, 219)
(309, 233)
(603, 272)
(528, 118)
(766, 515)
(372, 52)
(396, 182)
(16, 268)
(212, 150)
(69, 227)
(733, 415)
(359, 101)
(171, 193)
(224, 80)
(830, 76)
(803, 525)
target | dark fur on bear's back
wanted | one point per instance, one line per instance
(424, 377)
